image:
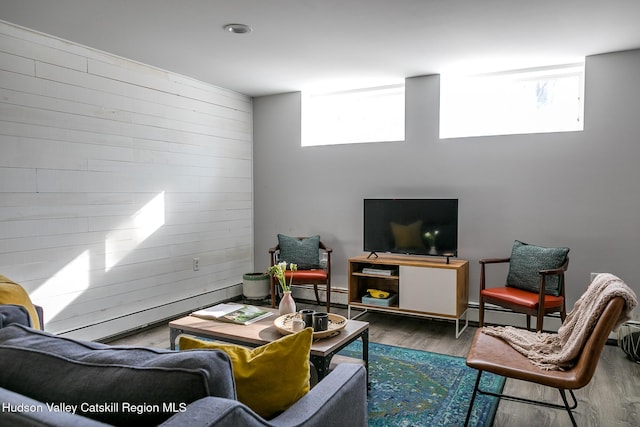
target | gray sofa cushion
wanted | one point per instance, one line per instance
(21, 411)
(108, 383)
(11, 313)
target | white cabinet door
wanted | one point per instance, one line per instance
(431, 290)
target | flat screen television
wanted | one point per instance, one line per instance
(411, 226)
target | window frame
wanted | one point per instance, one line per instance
(469, 117)
(326, 121)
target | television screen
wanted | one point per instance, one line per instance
(411, 226)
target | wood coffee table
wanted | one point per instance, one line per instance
(263, 332)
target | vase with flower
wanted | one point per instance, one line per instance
(430, 237)
(287, 304)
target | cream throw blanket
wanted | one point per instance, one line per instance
(560, 351)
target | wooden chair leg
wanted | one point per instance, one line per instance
(528, 322)
(481, 313)
(315, 289)
(272, 285)
(328, 297)
(539, 322)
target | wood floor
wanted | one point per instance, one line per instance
(611, 399)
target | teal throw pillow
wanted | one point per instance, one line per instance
(303, 252)
(527, 260)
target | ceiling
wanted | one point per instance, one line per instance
(320, 44)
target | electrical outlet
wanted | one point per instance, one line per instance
(196, 264)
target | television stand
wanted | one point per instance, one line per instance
(372, 254)
(419, 287)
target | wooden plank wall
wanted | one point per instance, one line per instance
(114, 176)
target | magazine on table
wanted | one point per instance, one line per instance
(236, 313)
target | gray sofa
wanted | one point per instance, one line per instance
(44, 378)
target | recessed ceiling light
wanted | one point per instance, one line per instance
(237, 28)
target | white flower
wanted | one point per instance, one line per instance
(279, 272)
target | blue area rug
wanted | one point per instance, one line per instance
(418, 388)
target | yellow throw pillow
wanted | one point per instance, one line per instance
(12, 293)
(269, 378)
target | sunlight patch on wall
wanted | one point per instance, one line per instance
(119, 243)
(64, 287)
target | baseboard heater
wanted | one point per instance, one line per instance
(498, 309)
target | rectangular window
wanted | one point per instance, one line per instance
(355, 116)
(549, 99)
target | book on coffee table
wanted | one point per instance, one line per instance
(235, 313)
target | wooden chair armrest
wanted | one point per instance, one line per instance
(327, 268)
(325, 247)
(552, 272)
(272, 255)
(484, 262)
(556, 271)
(493, 260)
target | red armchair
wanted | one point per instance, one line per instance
(309, 276)
(535, 285)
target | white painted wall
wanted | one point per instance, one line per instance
(576, 189)
(113, 177)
